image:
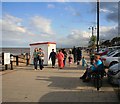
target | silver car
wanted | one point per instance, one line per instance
(114, 74)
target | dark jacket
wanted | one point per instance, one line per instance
(52, 55)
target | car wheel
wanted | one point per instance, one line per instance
(112, 63)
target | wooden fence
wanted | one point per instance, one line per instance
(18, 60)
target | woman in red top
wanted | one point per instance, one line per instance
(60, 57)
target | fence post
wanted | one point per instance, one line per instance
(11, 61)
(11, 65)
(2, 58)
(17, 60)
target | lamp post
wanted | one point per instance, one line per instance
(92, 28)
(98, 41)
(98, 25)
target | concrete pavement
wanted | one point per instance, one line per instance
(52, 85)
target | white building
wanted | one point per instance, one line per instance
(46, 47)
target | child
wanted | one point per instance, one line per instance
(83, 62)
(70, 59)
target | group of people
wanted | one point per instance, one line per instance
(77, 54)
(38, 56)
(61, 55)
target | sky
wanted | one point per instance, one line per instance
(65, 23)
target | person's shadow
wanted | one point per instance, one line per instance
(71, 89)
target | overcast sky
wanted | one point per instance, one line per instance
(65, 23)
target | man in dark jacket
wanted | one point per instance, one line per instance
(74, 52)
(53, 58)
(65, 55)
(79, 55)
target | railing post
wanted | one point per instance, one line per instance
(11, 61)
(2, 58)
(11, 65)
(17, 60)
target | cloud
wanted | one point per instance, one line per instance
(9, 23)
(15, 34)
(105, 10)
(75, 38)
(110, 9)
(108, 32)
(113, 17)
(11, 31)
(51, 6)
(81, 37)
(40, 29)
(42, 25)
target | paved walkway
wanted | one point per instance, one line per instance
(52, 85)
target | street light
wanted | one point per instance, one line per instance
(92, 28)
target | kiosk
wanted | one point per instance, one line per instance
(46, 47)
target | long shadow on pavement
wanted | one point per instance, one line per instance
(69, 82)
(79, 96)
(72, 89)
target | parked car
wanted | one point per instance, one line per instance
(111, 58)
(114, 74)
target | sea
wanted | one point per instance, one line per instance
(15, 51)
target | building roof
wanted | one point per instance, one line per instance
(42, 43)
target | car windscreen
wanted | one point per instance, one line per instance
(110, 53)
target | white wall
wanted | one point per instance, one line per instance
(50, 47)
(47, 48)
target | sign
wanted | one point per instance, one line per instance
(6, 58)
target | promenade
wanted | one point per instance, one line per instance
(23, 84)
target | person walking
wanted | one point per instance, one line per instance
(53, 58)
(70, 51)
(65, 55)
(79, 55)
(40, 55)
(35, 58)
(60, 57)
(42, 58)
(70, 59)
(74, 52)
